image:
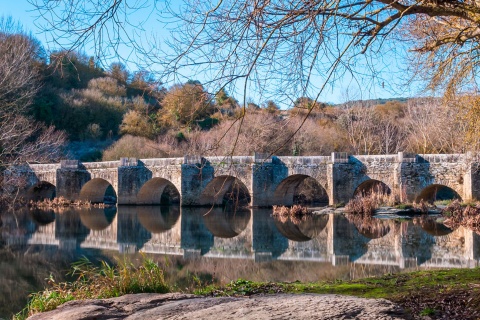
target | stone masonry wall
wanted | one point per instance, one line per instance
(268, 179)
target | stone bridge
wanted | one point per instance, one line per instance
(258, 180)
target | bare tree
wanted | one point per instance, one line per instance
(287, 43)
(21, 139)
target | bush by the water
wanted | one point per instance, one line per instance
(458, 214)
(99, 282)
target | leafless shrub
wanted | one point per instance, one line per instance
(61, 202)
(365, 204)
(467, 215)
(422, 207)
(134, 147)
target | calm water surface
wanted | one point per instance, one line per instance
(217, 245)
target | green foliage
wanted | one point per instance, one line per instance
(428, 312)
(91, 156)
(242, 287)
(207, 123)
(180, 136)
(99, 282)
(404, 206)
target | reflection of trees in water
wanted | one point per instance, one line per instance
(223, 222)
(23, 271)
(369, 227)
(304, 229)
(158, 219)
(195, 235)
(68, 225)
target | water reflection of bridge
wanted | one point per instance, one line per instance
(246, 234)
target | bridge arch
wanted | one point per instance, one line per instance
(223, 190)
(158, 191)
(98, 190)
(370, 186)
(437, 192)
(300, 188)
(41, 191)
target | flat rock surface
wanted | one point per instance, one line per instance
(183, 306)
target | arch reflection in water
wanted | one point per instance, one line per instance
(371, 228)
(97, 218)
(42, 217)
(304, 230)
(224, 222)
(158, 219)
(432, 227)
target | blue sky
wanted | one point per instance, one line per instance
(386, 86)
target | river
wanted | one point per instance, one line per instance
(205, 245)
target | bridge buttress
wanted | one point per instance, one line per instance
(472, 182)
(70, 179)
(131, 177)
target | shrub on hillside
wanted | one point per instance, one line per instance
(133, 147)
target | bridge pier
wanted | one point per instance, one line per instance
(70, 179)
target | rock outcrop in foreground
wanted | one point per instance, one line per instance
(183, 306)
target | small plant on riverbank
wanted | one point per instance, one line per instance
(98, 282)
(365, 204)
(61, 202)
(467, 215)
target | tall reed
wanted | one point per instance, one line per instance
(98, 282)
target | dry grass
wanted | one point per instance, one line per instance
(61, 202)
(466, 215)
(423, 207)
(296, 213)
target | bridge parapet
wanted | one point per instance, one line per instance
(310, 160)
(158, 162)
(389, 158)
(230, 160)
(442, 158)
(100, 165)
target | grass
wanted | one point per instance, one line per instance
(435, 293)
(98, 282)
(420, 293)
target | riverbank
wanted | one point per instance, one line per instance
(435, 294)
